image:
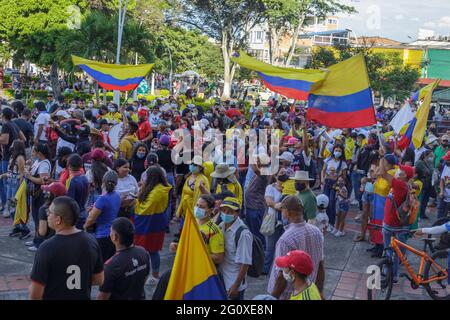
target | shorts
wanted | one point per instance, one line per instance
(367, 197)
(343, 206)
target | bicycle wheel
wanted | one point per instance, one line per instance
(437, 290)
(384, 290)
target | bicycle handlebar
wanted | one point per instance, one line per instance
(376, 226)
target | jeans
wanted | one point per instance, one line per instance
(12, 185)
(3, 169)
(254, 218)
(271, 242)
(240, 297)
(425, 197)
(388, 232)
(330, 192)
(442, 208)
(356, 184)
(155, 260)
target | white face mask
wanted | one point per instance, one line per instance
(90, 105)
(288, 277)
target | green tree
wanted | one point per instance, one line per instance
(32, 29)
(226, 21)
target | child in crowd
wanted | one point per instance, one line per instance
(321, 217)
(367, 199)
(342, 206)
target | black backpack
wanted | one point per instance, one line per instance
(256, 269)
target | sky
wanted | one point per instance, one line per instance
(397, 19)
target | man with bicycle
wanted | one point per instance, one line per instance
(398, 194)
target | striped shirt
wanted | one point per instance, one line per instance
(310, 293)
(298, 236)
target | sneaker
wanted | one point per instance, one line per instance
(355, 203)
(331, 229)
(25, 235)
(152, 281)
(6, 214)
(358, 217)
(15, 233)
(29, 244)
(32, 249)
(339, 234)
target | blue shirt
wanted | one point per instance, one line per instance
(109, 205)
(79, 191)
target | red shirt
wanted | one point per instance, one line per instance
(233, 113)
(144, 130)
(399, 191)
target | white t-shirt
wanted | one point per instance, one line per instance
(446, 177)
(41, 167)
(42, 119)
(127, 185)
(333, 163)
(272, 192)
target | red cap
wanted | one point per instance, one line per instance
(446, 157)
(142, 113)
(297, 260)
(98, 154)
(409, 171)
(55, 188)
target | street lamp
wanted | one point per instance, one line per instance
(354, 33)
(171, 65)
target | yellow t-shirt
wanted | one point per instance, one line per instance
(235, 188)
(116, 117)
(213, 237)
(289, 188)
(126, 146)
(310, 293)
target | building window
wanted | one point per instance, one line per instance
(259, 36)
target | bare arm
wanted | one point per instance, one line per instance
(305, 140)
(4, 138)
(233, 291)
(43, 227)
(280, 285)
(36, 291)
(93, 215)
(103, 295)
(217, 258)
(98, 278)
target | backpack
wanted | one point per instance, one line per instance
(408, 210)
(255, 270)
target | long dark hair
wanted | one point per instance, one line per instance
(18, 150)
(134, 157)
(43, 148)
(155, 176)
(98, 170)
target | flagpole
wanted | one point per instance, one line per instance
(122, 14)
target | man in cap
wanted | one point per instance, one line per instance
(145, 132)
(226, 180)
(126, 145)
(441, 150)
(238, 254)
(297, 265)
(306, 196)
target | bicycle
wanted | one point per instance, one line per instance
(432, 275)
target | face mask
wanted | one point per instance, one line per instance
(300, 186)
(90, 105)
(193, 168)
(289, 278)
(73, 105)
(111, 109)
(337, 154)
(199, 213)
(127, 113)
(140, 155)
(227, 218)
(291, 150)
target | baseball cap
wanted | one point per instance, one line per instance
(292, 141)
(286, 156)
(164, 140)
(55, 188)
(231, 203)
(297, 260)
(391, 159)
(98, 154)
(102, 122)
(322, 201)
(142, 113)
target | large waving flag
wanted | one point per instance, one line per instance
(21, 215)
(403, 117)
(194, 276)
(114, 76)
(292, 83)
(344, 99)
(416, 131)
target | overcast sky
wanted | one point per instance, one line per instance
(397, 19)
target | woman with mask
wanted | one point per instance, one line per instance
(137, 162)
(95, 175)
(127, 187)
(196, 184)
(150, 217)
(334, 167)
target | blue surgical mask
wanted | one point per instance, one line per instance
(193, 168)
(199, 213)
(140, 155)
(337, 154)
(227, 218)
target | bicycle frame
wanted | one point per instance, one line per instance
(424, 257)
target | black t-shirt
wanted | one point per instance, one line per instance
(65, 264)
(13, 131)
(165, 160)
(43, 216)
(137, 168)
(125, 274)
(26, 128)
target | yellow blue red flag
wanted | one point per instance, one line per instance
(194, 276)
(289, 82)
(416, 131)
(21, 215)
(113, 76)
(344, 99)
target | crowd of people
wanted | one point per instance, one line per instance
(102, 200)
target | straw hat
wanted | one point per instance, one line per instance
(223, 171)
(301, 176)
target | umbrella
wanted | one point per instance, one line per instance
(190, 73)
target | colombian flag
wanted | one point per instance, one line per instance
(21, 215)
(415, 133)
(114, 76)
(344, 99)
(291, 83)
(194, 276)
(151, 219)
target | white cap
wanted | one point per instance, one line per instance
(322, 201)
(63, 113)
(287, 156)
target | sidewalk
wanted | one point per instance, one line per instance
(345, 265)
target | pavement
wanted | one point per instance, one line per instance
(346, 263)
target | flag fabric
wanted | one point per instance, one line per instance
(114, 76)
(344, 99)
(403, 117)
(194, 276)
(416, 130)
(289, 82)
(21, 215)
(151, 219)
